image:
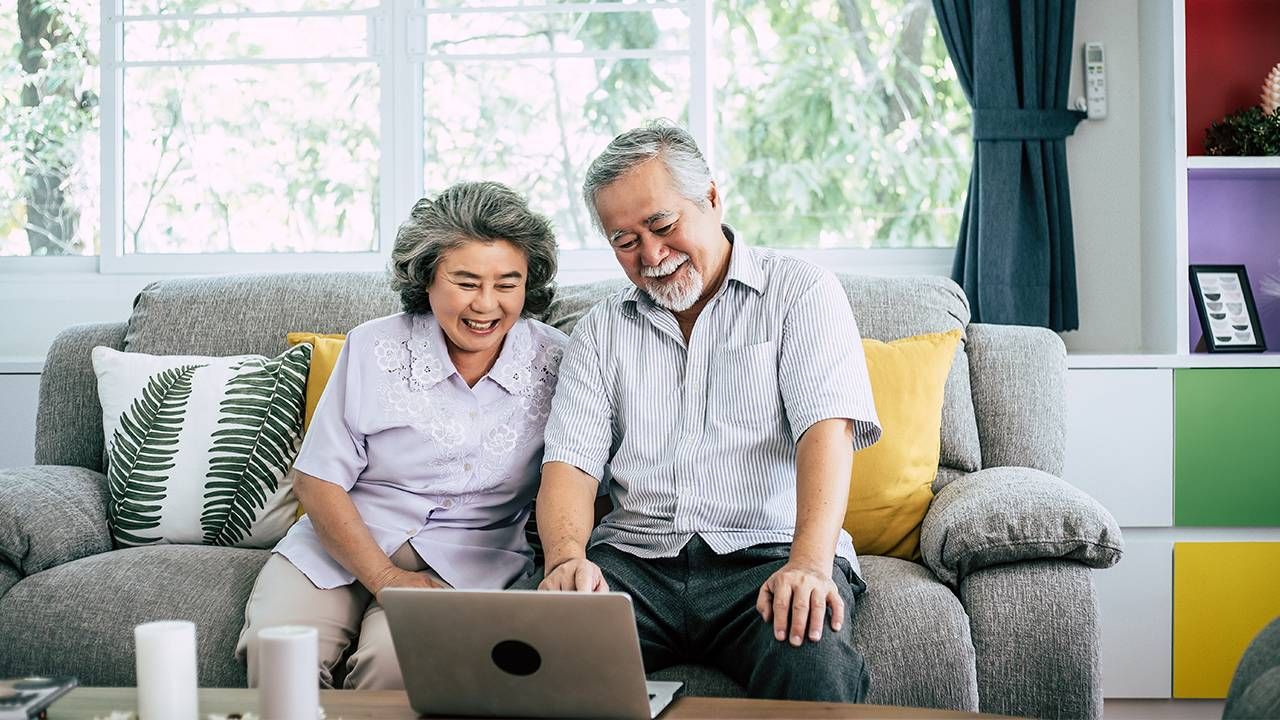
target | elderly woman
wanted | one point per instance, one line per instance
(423, 455)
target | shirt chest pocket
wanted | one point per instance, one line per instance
(744, 386)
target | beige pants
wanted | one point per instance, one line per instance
(342, 616)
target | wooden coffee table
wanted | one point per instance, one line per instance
(87, 702)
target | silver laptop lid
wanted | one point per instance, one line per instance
(519, 653)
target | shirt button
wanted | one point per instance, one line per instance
(448, 504)
(467, 467)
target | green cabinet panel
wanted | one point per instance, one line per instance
(1227, 454)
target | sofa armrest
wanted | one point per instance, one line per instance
(1011, 514)
(69, 418)
(1036, 639)
(50, 515)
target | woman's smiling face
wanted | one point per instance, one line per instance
(477, 295)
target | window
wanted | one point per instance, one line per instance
(840, 123)
(241, 135)
(49, 129)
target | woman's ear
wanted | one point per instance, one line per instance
(713, 195)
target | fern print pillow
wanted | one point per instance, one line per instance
(198, 448)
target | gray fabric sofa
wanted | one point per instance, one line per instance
(1255, 686)
(1001, 616)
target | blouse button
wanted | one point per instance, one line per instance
(467, 467)
(448, 504)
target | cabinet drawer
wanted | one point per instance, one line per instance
(1227, 467)
(1120, 442)
(1223, 595)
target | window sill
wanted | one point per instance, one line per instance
(877, 261)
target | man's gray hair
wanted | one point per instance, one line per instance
(670, 143)
(471, 212)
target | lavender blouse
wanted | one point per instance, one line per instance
(450, 468)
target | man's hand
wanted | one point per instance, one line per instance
(796, 598)
(397, 577)
(578, 574)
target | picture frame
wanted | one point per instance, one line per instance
(1228, 315)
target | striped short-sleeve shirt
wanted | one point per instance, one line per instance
(700, 438)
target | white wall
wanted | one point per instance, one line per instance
(17, 419)
(1105, 171)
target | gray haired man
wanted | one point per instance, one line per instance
(721, 399)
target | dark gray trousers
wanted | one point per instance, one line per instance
(699, 607)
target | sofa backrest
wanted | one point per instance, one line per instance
(251, 313)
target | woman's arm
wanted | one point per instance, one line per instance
(347, 539)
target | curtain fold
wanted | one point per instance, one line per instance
(1015, 257)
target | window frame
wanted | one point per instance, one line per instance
(397, 32)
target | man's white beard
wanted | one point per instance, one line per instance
(676, 294)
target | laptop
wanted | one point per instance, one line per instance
(522, 653)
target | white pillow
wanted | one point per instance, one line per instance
(198, 447)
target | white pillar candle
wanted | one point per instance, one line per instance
(288, 673)
(166, 655)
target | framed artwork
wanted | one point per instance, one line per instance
(1228, 316)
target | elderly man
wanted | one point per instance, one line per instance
(721, 399)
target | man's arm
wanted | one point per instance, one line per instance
(796, 597)
(566, 513)
(826, 393)
(824, 461)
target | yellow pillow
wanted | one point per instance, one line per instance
(324, 355)
(892, 480)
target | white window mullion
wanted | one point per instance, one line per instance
(382, 39)
(406, 90)
(701, 102)
(111, 137)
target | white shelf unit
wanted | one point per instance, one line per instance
(1121, 412)
(1247, 164)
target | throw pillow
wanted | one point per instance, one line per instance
(198, 446)
(324, 355)
(891, 487)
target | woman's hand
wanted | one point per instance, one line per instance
(396, 577)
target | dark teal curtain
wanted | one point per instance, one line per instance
(1015, 256)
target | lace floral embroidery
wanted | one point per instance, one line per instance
(412, 392)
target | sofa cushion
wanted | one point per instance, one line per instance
(252, 313)
(199, 446)
(325, 349)
(888, 308)
(914, 634)
(85, 612)
(890, 489)
(912, 631)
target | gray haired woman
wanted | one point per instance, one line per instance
(423, 456)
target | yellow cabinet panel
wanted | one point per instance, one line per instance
(1223, 595)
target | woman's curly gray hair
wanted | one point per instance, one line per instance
(470, 212)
